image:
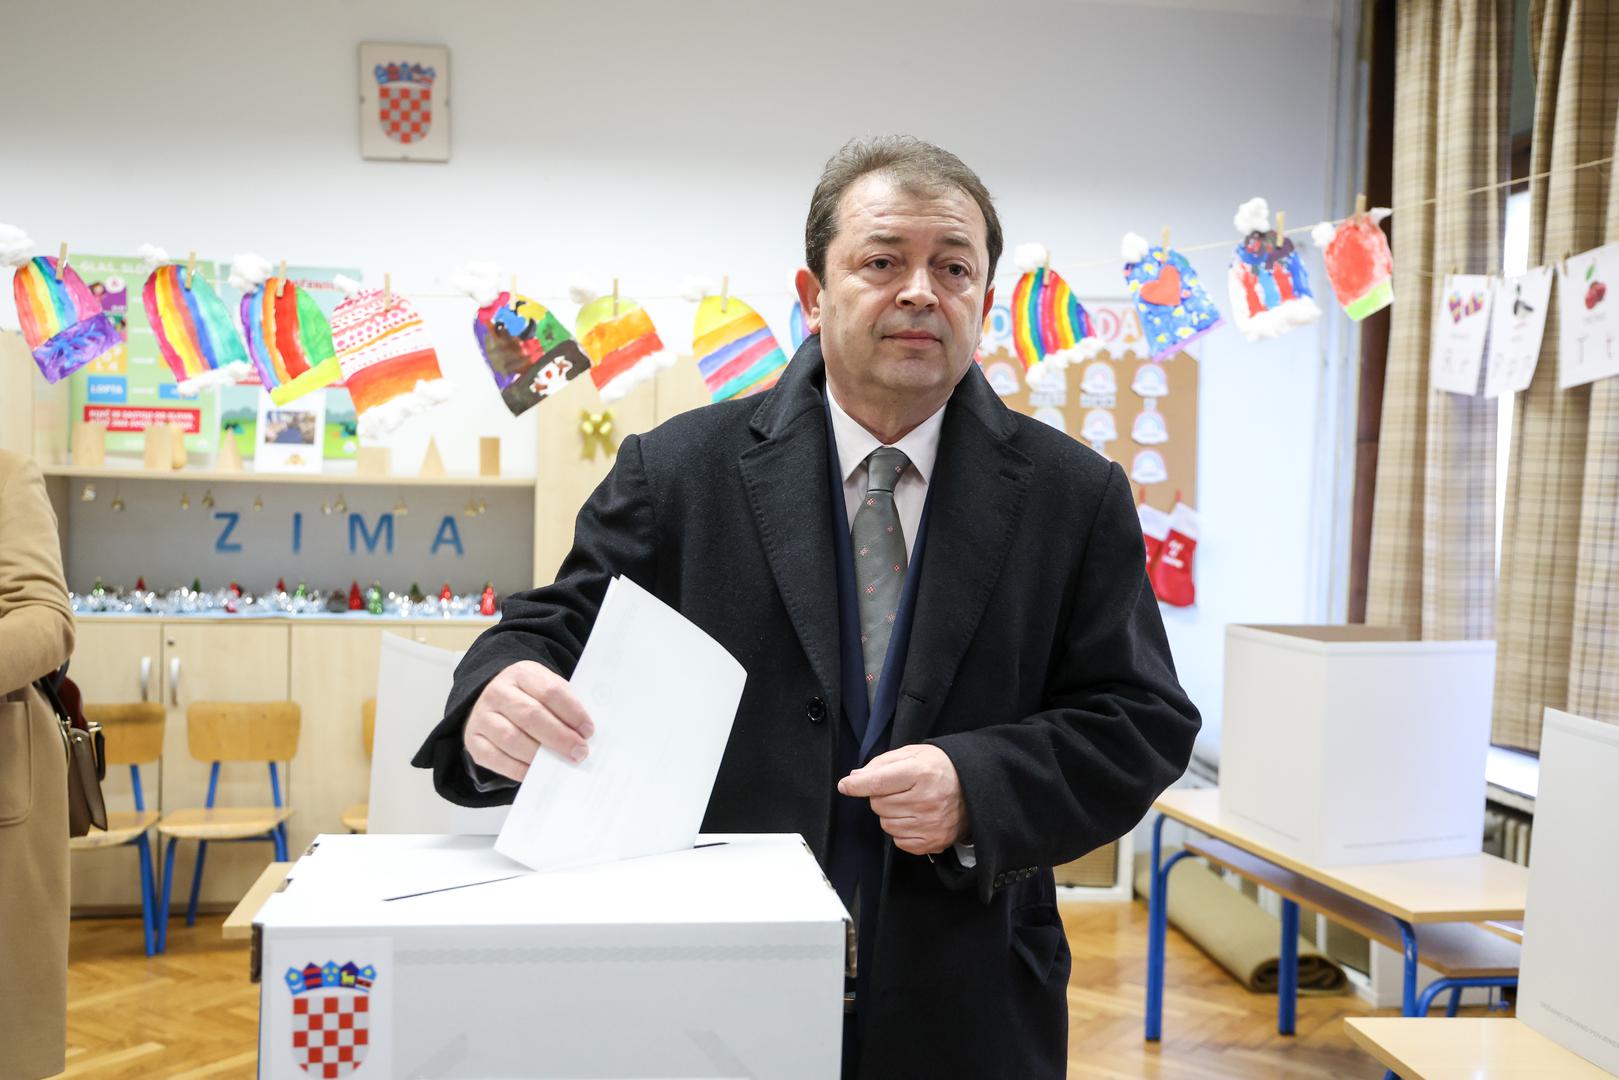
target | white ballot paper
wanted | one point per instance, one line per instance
(662, 695)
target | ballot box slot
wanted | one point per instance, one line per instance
(452, 888)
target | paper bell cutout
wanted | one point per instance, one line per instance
(1099, 427)
(1050, 327)
(529, 352)
(1150, 381)
(389, 366)
(1270, 289)
(194, 330)
(1170, 299)
(623, 345)
(1149, 428)
(797, 328)
(737, 355)
(1360, 265)
(288, 340)
(1148, 468)
(61, 319)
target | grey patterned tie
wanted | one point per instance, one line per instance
(879, 559)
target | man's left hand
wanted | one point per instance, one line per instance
(915, 793)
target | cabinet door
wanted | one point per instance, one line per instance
(115, 664)
(215, 662)
(454, 638)
(334, 669)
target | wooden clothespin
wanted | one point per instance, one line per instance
(514, 285)
(280, 278)
(1360, 206)
(1164, 238)
(191, 268)
(725, 292)
(387, 286)
(61, 260)
(615, 298)
(1281, 228)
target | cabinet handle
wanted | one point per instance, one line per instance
(174, 682)
(146, 678)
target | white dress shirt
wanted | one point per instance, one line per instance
(921, 446)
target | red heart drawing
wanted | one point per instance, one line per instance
(1166, 291)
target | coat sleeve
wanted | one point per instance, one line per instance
(614, 535)
(1117, 728)
(36, 623)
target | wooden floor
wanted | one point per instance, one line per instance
(192, 1013)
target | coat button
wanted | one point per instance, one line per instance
(816, 711)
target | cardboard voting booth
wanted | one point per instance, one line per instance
(405, 956)
(1343, 745)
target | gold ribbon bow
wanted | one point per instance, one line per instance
(596, 433)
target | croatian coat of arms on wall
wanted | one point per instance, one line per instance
(404, 102)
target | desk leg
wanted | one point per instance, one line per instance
(1408, 994)
(1287, 985)
(1157, 928)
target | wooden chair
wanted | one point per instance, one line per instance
(134, 737)
(356, 817)
(219, 731)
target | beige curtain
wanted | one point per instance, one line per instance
(1558, 642)
(1432, 565)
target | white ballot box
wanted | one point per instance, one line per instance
(435, 956)
(1343, 745)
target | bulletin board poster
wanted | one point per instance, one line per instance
(239, 405)
(130, 387)
(1139, 412)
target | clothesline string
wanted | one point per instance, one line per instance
(1118, 261)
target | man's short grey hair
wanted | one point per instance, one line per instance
(916, 166)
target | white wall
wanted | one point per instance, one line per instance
(652, 141)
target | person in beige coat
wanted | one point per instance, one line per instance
(36, 638)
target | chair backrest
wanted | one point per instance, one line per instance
(368, 723)
(243, 730)
(134, 732)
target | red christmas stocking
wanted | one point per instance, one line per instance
(1154, 528)
(1172, 574)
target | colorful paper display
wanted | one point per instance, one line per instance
(1050, 327)
(1173, 305)
(1270, 289)
(737, 355)
(623, 345)
(193, 330)
(1359, 263)
(61, 319)
(289, 340)
(389, 365)
(529, 352)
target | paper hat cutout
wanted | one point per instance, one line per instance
(1148, 468)
(1270, 290)
(623, 345)
(289, 340)
(1174, 307)
(62, 320)
(1099, 427)
(1149, 428)
(1150, 381)
(529, 352)
(1359, 263)
(1099, 380)
(1050, 328)
(389, 366)
(797, 328)
(194, 330)
(737, 355)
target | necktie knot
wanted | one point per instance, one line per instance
(883, 468)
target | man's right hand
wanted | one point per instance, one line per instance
(526, 707)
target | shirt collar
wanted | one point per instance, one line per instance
(855, 443)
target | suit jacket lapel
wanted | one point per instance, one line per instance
(977, 492)
(787, 481)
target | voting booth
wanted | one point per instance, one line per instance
(403, 956)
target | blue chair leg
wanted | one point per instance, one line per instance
(168, 888)
(1157, 930)
(1287, 985)
(143, 848)
(1455, 1001)
(278, 837)
(1408, 995)
(196, 883)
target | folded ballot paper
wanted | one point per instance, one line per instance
(662, 695)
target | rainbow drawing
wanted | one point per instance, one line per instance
(737, 354)
(623, 345)
(61, 318)
(1050, 327)
(193, 329)
(289, 340)
(389, 366)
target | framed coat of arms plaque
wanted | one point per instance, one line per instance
(404, 102)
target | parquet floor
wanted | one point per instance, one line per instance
(192, 1014)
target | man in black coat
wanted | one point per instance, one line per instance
(957, 673)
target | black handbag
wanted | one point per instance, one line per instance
(86, 751)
